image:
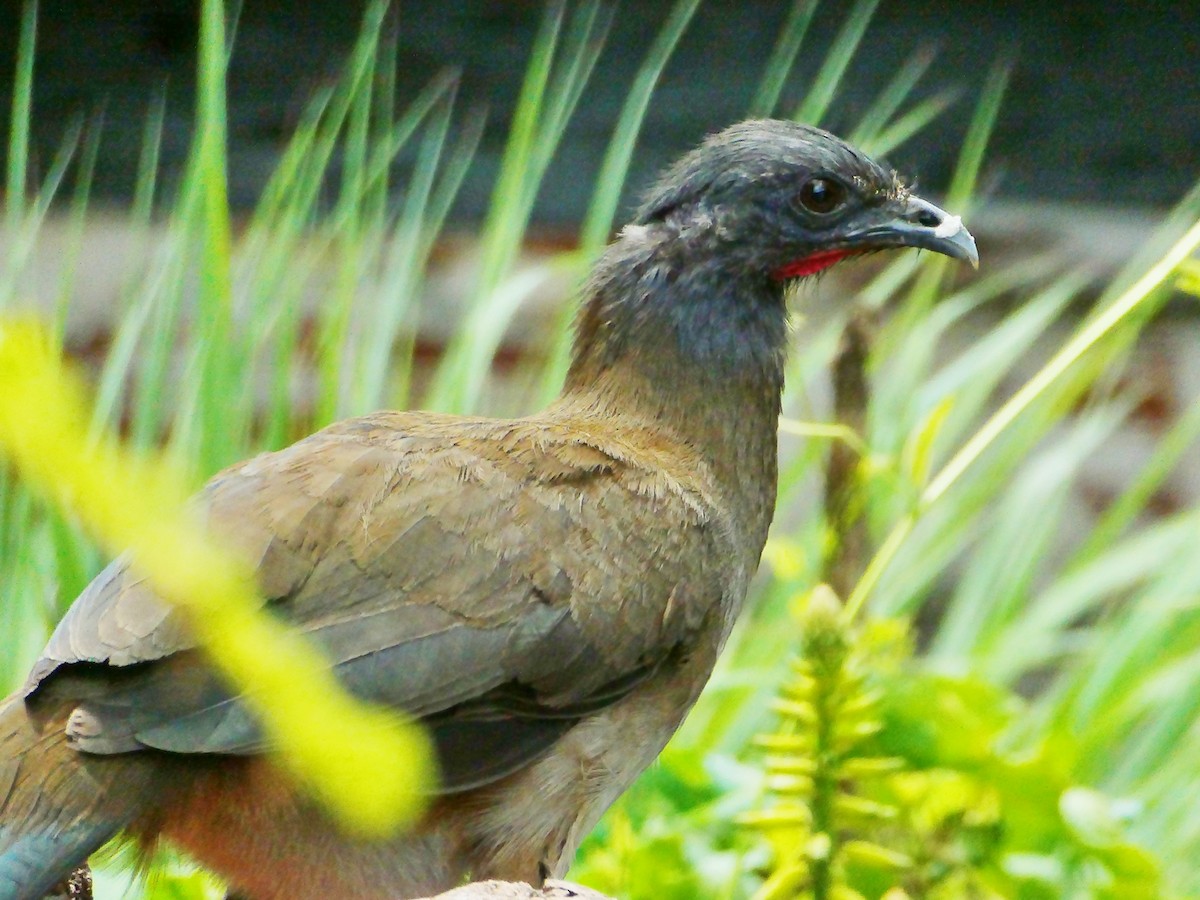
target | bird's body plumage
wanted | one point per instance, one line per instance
(548, 594)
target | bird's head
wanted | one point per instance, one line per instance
(787, 200)
(699, 274)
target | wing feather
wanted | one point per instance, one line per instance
(500, 586)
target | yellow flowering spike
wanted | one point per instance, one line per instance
(367, 764)
(786, 558)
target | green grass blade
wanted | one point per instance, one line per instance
(1141, 292)
(21, 117)
(453, 172)
(972, 378)
(541, 116)
(601, 214)
(979, 133)
(1035, 638)
(23, 239)
(1120, 514)
(208, 437)
(77, 221)
(782, 58)
(912, 122)
(141, 209)
(573, 66)
(966, 174)
(890, 99)
(599, 220)
(374, 354)
(906, 388)
(353, 250)
(821, 92)
(1000, 572)
(453, 381)
(1063, 360)
(117, 371)
(383, 112)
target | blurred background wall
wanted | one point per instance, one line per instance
(1104, 105)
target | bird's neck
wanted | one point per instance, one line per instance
(673, 339)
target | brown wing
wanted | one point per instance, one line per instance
(499, 580)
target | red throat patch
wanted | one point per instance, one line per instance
(810, 265)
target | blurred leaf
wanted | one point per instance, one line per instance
(1089, 815)
(941, 721)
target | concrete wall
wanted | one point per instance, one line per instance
(1104, 105)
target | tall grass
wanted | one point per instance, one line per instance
(232, 340)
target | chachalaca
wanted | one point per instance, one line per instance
(548, 595)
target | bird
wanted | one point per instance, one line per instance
(548, 595)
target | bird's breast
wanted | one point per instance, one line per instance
(553, 804)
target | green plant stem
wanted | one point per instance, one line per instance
(849, 540)
(1083, 341)
(820, 94)
(824, 789)
(783, 56)
(22, 107)
(890, 99)
(216, 283)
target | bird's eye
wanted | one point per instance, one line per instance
(822, 195)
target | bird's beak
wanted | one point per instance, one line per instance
(912, 222)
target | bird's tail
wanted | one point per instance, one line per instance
(56, 805)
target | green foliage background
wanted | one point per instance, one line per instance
(828, 758)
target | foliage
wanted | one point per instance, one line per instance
(345, 752)
(1043, 735)
(893, 781)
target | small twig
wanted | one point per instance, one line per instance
(850, 545)
(77, 886)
